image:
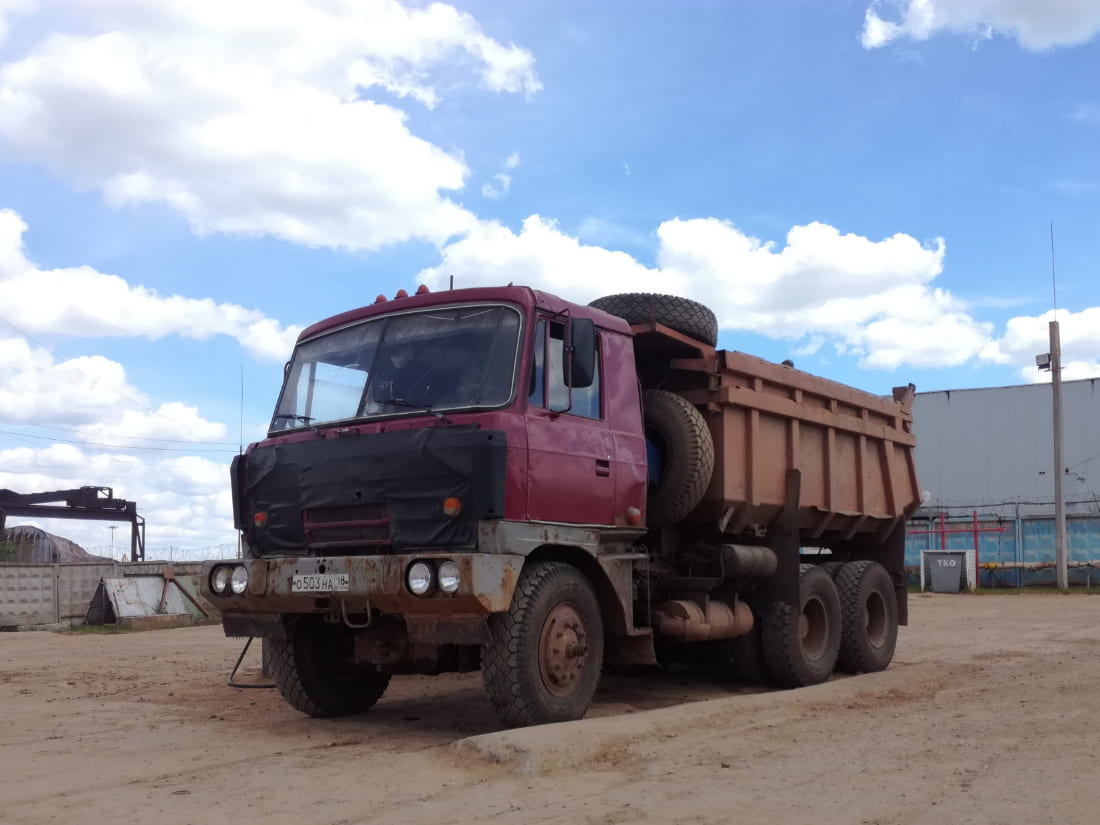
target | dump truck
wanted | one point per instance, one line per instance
(497, 479)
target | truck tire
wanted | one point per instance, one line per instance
(543, 659)
(681, 314)
(314, 671)
(868, 617)
(679, 433)
(801, 642)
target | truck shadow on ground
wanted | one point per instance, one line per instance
(442, 709)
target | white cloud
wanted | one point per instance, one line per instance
(185, 500)
(605, 232)
(811, 347)
(874, 297)
(249, 117)
(502, 181)
(500, 186)
(9, 8)
(90, 400)
(1027, 336)
(540, 255)
(81, 302)
(1035, 25)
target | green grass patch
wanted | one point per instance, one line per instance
(99, 629)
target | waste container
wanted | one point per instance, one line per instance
(946, 570)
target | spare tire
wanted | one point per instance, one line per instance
(682, 453)
(681, 314)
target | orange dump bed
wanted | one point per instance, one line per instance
(854, 449)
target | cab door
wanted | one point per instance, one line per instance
(571, 466)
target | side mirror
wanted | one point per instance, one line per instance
(286, 370)
(582, 346)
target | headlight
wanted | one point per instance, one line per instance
(239, 580)
(419, 578)
(449, 577)
(219, 580)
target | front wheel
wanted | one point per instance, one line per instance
(315, 670)
(542, 662)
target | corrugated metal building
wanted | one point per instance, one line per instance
(990, 452)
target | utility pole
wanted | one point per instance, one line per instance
(1059, 459)
(112, 528)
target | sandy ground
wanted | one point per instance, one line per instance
(989, 714)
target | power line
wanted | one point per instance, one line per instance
(93, 379)
(135, 437)
(113, 446)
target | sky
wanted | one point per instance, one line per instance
(866, 187)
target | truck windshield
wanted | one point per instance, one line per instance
(447, 358)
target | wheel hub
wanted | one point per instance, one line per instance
(875, 620)
(813, 628)
(563, 649)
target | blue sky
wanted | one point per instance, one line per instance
(865, 187)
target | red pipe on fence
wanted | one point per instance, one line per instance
(944, 530)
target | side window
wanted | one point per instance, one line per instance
(548, 387)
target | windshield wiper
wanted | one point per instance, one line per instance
(305, 419)
(407, 402)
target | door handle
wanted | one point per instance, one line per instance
(603, 467)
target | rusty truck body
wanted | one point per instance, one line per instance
(498, 479)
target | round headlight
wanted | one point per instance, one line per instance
(449, 577)
(239, 580)
(219, 580)
(419, 578)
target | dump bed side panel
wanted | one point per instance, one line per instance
(854, 450)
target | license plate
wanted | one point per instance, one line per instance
(319, 583)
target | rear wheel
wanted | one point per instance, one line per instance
(315, 670)
(869, 617)
(542, 663)
(801, 642)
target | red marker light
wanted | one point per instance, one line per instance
(422, 289)
(452, 506)
(401, 294)
(633, 516)
(381, 299)
(260, 519)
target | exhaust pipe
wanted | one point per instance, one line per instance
(687, 621)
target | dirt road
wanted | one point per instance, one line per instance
(988, 715)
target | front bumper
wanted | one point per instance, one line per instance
(374, 582)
